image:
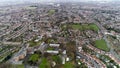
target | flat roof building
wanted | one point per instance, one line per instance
(54, 45)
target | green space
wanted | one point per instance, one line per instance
(57, 59)
(31, 7)
(52, 11)
(101, 44)
(34, 58)
(44, 63)
(68, 65)
(94, 27)
(17, 66)
(50, 48)
(85, 27)
(77, 26)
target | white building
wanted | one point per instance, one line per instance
(54, 45)
(53, 52)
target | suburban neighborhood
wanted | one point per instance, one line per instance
(60, 35)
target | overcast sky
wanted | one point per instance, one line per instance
(5, 2)
(51, 0)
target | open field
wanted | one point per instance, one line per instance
(44, 63)
(85, 27)
(57, 59)
(52, 11)
(17, 66)
(76, 26)
(68, 65)
(94, 27)
(31, 7)
(34, 57)
(101, 44)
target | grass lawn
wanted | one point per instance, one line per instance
(68, 65)
(94, 27)
(20, 66)
(44, 63)
(85, 27)
(101, 44)
(52, 11)
(50, 48)
(31, 7)
(57, 59)
(17, 66)
(34, 57)
(76, 26)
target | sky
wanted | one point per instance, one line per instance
(5, 2)
(50, 0)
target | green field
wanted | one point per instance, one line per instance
(50, 48)
(17, 66)
(52, 11)
(68, 65)
(101, 44)
(94, 27)
(85, 27)
(31, 7)
(76, 26)
(44, 63)
(57, 59)
(34, 57)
